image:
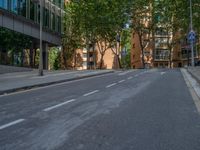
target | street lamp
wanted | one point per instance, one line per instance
(191, 30)
(41, 53)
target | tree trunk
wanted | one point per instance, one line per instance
(75, 61)
(64, 64)
(119, 62)
(142, 49)
(143, 63)
(170, 58)
(101, 62)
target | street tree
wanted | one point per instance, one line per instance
(143, 24)
(99, 22)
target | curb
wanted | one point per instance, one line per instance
(50, 83)
(194, 76)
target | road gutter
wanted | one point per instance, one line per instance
(194, 88)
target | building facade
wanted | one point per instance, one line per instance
(164, 49)
(23, 16)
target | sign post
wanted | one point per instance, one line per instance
(191, 35)
(191, 38)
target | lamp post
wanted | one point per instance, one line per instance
(191, 30)
(40, 73)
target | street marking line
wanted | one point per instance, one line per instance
(90, 93)
(130, 78)
(52, 85)
(121, 81)
(125, 72)
(58, 105)
(110, 85)
(11, 123)
(162, 73)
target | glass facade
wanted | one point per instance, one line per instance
(52, 11)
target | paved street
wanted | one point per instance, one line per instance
(130, 110)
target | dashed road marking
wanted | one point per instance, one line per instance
(162, 73)
(110, 85)
(90, 93)
(126, 72)
(11, 123)
(121, 81)
(59, 105)
(130, 78)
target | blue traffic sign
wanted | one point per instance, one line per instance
(191, 36)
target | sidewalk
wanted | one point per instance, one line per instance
(195, 72)
(16, 81)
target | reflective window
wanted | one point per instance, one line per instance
(4, 4)
(32, 11)
(46, 17)
(22, 7)
(14, 6)
(38, 14)
(53, 24)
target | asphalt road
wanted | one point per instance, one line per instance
(132, 110)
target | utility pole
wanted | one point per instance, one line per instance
(41, 50)
(40, 73)
(191, 40)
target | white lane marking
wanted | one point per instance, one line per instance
(53, 85)
(136, 75)
(126, 72)
(121, 81)
(162, 73)
(90, 93)
(59, 105)
(130, 78)
(110, 85)
(11, 123)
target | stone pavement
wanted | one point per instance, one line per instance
(11, 69)
(16, 81)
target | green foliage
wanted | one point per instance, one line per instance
(97, 22)
(126, 43)
(12, 43)
(54, 58)
(13, 40)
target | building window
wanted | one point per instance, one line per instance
(46, 18)
(162, 54)
(4, 4)
(14, 8)
(161, 32)
(22, 7)
(84, 64)
(53, 21)
(84, 55)
(32, 11)
(161, 42)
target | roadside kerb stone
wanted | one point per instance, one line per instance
(194, 72)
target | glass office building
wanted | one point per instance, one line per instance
(29, 9)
